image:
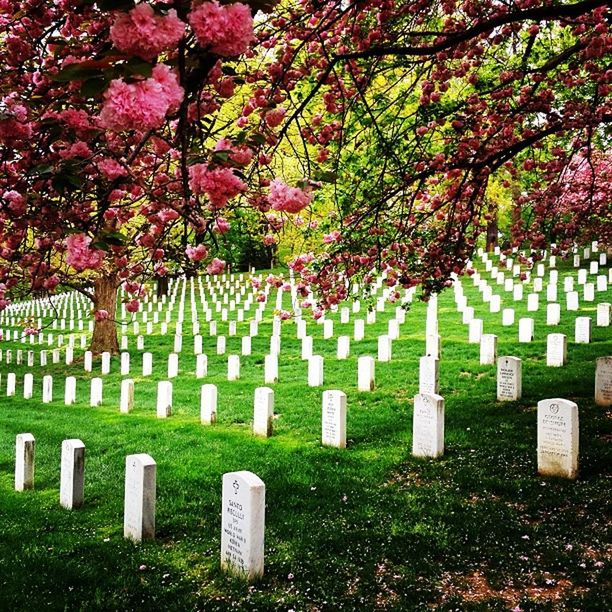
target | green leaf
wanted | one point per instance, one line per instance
(113, 238)
(258, 139)
(92, 88)
(99, 244)
(42, 169)
(137, 67)
(65, 180)
(221, 155)
(74, 180)
(326, 176)
(76, 72)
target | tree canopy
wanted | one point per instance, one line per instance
(135, 137)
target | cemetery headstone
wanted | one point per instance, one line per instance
(140, 495)
(509, 379)
(243, 525)
(126, 402)
(558, 438)
(72, 474)
(263, 412)
(208, 405)
(24, 461)
(428, 425)
(334, 419)
(365, 373)
(556, 350)
(603, 381)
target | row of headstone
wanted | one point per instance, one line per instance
(243, 502)
(428, 372)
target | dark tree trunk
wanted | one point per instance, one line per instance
(105, 332)
(162, 286)
(492, 234)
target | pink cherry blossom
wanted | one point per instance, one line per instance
(143, 33)
(301, 261)
(197, 253)
(142, 105)
(78, 149)
(288, 199)
(269, 239)
(167, 215)
(16, 202)
(101, 315)
(168, 81)
(240, 155)
(216, 266)
(226, 30)
(79, 254)
(132, 306)
(221, 226)
(275, 117)
(332, 237)
(219, 184)
(111, 169)
(136, 289)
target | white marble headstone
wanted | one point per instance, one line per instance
(428, 425)
(603, 314)
(164, 399)
(243, 524)
(582, 331)
(603, 381)
(25, 448)
(333, 421)
(140, 495)
(365, 373)
(558, 438)
(526, 326)
(201, 366)
(95, 396)
(488, 349)
(126, 401)
(72, 473)
(208, 405)
(429, 375)
(556, 350)
(233, 367)
(509, 379)
(147, 364)
(263, 411)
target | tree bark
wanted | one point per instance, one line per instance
(492, 231)
(162, 286)
(105, 331)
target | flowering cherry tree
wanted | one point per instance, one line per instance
(416, 106)
(111, 142)
(128, 127)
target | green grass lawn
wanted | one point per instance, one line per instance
(367, 528)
